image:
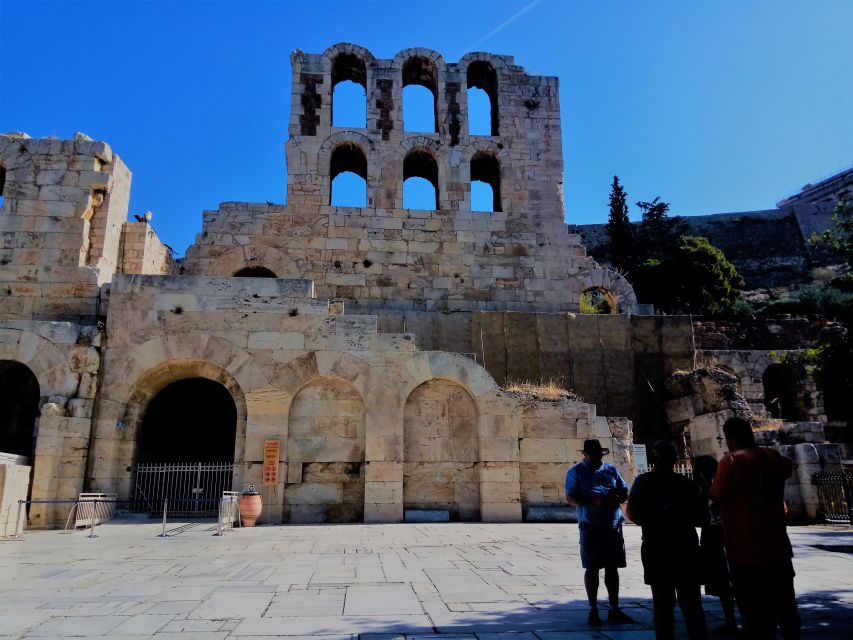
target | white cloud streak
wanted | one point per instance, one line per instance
(503, 25)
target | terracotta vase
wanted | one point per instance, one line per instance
(250, 508)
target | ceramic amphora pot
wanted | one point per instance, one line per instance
(250, 508)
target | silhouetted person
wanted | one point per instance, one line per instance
(715, 569)
(750, 487)
(597, 490)
(669, 507)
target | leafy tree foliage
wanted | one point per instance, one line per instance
(840, 236)
(675, 272)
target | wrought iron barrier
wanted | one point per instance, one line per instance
(835, 495)
(193, 488)
(101, 511)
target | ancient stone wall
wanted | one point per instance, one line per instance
(756, 333)
(519, 256)
(369, 425)
(141, 251)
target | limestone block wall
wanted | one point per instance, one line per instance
(141, 251)
(14, 483)
(65, 359)
(551, 440)
(64, 202)
(369, 425)
(519, 256)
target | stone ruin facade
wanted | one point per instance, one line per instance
(373, 344)
(97, 322)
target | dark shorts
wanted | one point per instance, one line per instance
(602, 548)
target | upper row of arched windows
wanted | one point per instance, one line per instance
(421, 186)
(420, 95)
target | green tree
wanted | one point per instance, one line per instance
(840, 236)
(622, 239)
(658, 233)
(695, 277)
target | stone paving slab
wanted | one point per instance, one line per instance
(355, 582)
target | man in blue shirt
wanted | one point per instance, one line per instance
(597, 490)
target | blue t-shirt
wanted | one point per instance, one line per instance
(582, 480)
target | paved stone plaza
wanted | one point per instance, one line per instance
(344, 581)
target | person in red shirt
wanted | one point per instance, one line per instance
(750, 489)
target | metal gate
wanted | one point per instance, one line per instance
(193, 489)
(835, 494)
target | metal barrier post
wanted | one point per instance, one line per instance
(18, 535)
(92, 529)
(219, 521)
(165, 506)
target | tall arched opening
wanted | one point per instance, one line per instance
(420, 95)
(325, 454)
(349, 86)
(185, 447)
(782, 393)
(482, 78)
(19, 409)
(441, 450)
(420, 181)
(348, 175)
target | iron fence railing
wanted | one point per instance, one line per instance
(835, 496)
(193, 488)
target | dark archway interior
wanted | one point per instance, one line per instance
(254, 272)
(191, 420)
(19, 408)
(782, 395)
(348, 66)
(482, 75)
(485, 168)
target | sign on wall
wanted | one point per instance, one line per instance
(272, 450)
(640, 458)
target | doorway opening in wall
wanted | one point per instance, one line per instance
(782, 393)
(186, 448)
(19, 409)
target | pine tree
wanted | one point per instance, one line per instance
(619, 228)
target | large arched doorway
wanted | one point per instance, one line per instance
(186, 447)
(782, 393)
(441, 451)
(19, 409)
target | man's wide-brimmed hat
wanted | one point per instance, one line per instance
(594, 448)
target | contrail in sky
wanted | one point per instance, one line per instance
(503, 25)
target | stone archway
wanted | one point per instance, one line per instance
(19, 409)
(441, 450)
(326, 439)
(783, 393)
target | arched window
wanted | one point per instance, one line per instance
(598, 300)
(420, 181)
(2, 183)
(254, 272)
(420, 95)
(485, 182)
(348, 175)
(349, 92)
(482, 99)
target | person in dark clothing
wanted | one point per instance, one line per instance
(715, 569)
(750, 488)
(597, 489)
(669, 507)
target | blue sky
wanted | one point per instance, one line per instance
(714, 106)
